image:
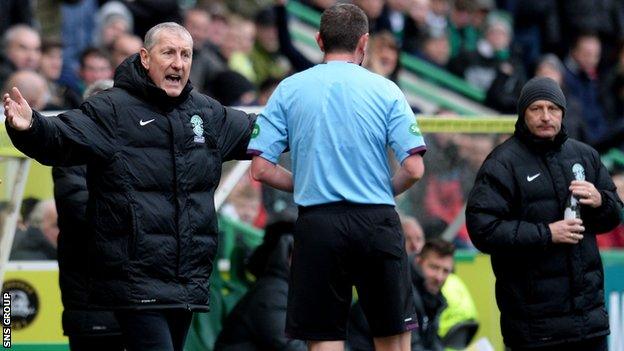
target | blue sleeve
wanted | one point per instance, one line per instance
(404, 135)
(269, 137)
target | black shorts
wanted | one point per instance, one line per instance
(341, 245)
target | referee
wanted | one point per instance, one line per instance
(337, 119)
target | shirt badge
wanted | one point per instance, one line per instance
(198, 129)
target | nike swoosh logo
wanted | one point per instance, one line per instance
(530, 178)
(144, 123)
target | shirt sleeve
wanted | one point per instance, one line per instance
(404, 135)
(270, 134)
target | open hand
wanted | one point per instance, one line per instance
(16, 109)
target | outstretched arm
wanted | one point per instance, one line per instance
(271, 174)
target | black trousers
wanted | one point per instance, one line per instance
(593, 344)
(157, 330)
(96, 343)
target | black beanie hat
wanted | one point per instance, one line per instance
(540, 88)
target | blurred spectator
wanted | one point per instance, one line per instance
(416, 26)
(583, 85)
(112, 20)
(377, 19)
(78, 21)
(248, 8)
(39, 241)
(233, 89)
(258, 320)
(61, 97)
(493, 67)
(463, 36)
(298, 61)
(396, 13)
(383, 56)
(615, 238)
(459, 320)
(148, 13)
(33, 87)
(15, 12)
(536, 28)
(94, 66)
(437, 19)
(22, 50)
(207, 58)
(28, 204)
(197, 22)
(481, 12)
(605, 18)
(124, 46)
(265, 56)
(551, 67)
(429, 271)
(615, 87)
(435, 48)
(237, 46)
(414, 235)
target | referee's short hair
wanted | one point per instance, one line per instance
(342, 25)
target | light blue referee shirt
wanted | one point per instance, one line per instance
(337, 119)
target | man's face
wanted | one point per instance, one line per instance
(95, 68)
(49, 225)
(543, 118)
(587, 54)
(168, 63)
(414, 237)
(123, 47)
(436, 269)
(24, 50)
(198, 24)
(52, 63)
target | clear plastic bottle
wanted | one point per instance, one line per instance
(573, 208)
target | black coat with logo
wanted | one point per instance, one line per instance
(153, 163)
(547, 293)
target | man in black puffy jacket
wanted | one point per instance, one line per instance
(153, 149)
(549, 275)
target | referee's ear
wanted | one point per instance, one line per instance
(319, 41)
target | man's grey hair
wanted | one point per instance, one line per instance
(38, 213)
(11, 34)
(97, 87)
(151, 37)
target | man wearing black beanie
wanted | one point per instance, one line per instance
(549, 276)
